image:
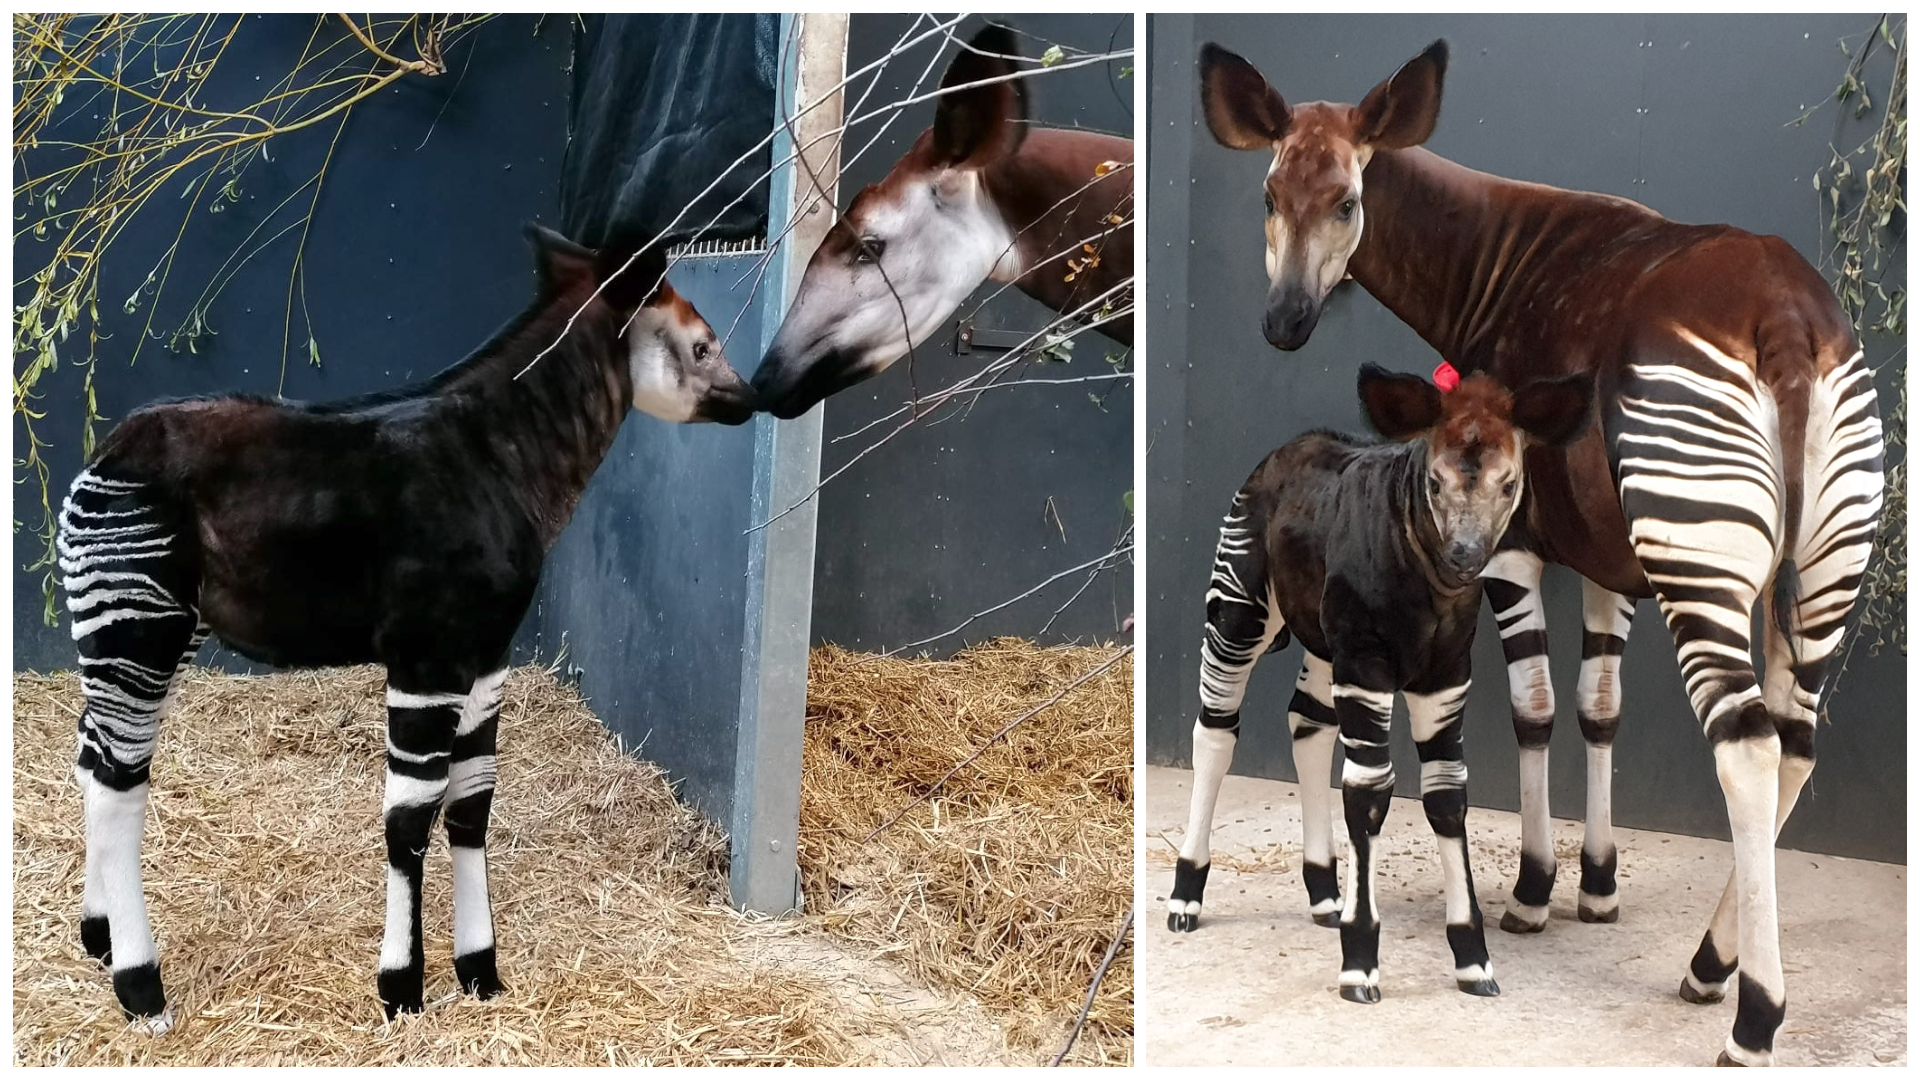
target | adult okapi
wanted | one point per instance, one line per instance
(404, 528)
(981, 195)
(1737, 459)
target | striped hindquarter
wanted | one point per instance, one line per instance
(1704, 480)
(130, 598)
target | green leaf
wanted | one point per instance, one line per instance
(1052, 56)
(1127, 500)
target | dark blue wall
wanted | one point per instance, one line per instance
(1686, 114)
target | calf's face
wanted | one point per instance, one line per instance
(1476, 437)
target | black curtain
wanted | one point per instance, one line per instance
(661, 105)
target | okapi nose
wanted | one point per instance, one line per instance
(1467, 558)
(1289, 321)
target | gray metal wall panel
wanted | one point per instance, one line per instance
(1683, 113)
(954, 516)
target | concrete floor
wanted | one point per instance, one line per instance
(1255, 985)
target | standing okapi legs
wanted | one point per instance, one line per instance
(1437, 735)
(1241, 623)
(1366, 793)
(469, 800)
(1315, 730)
(130, 587)
(1512, 581)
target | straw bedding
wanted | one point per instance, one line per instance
(1008, 884)
(264, 855)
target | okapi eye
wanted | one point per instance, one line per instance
(1346, 210)
(1433, 485)
(1506, 489)
(701, 350)
(871, 248)
(1269, 203)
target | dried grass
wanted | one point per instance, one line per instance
(264, 859)
(1009, 884)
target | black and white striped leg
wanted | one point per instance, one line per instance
(1315, 733)
(1366, 791)
(469, 800)
(1607, 618)
(1239, 630)
(125, 580)
(1435, 719)
(1512, 581)
(1701, 488)
(423, 713)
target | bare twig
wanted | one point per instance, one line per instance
(1099, 973)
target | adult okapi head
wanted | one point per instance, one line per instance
(910, 248)
(673, 357)
(1315, 209)
(1476, 438)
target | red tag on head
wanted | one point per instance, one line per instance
(1445, 377)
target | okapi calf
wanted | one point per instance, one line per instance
(404, 528)
(1370, 553)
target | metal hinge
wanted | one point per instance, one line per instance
(971, 338)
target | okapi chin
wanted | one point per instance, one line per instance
(1738, 460)
(404, 528)
(1355, 549)
(982, 195)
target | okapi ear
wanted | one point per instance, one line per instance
(1242, 111)
(976, 126)
(559, 261)
(1398, 406)
(1402, 111)
(632, 280)
(1554, 412)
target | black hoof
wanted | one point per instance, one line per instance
(1363, 995)
(1479, 987)
(477, 974)
(402, 991)
(139, 992)
(1701, 997)
(1514, 924)
(1327, 918)
(1725, 1060)
(95, 938)
(1183, 923)
(1587, 914)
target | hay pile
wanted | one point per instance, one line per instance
(264, 870)
(1009, 884)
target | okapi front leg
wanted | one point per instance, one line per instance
(470, 782)
(422, 716)
(1366, 789)
(1608, 618)
(1437, 735)
(1315, 730)
(1512, 580)
(1240, 626)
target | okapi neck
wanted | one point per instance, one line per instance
(1052, 197)
(1469, 260)
(546, 427)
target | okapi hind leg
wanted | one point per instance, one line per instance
(1315, 733)
(469, 801)
(424, 710)
(1512, 582)
(1437, 735)
(127, 581)
(1241, 624)
(1607, 618)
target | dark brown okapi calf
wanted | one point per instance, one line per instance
(1370, 554)
(404, 528)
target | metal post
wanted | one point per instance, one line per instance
(764, 874)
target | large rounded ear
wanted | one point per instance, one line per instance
(558, 261)
(1554, 411)
(1402, 111)
(1398, 406)
(1242, 111)
(976, 126)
